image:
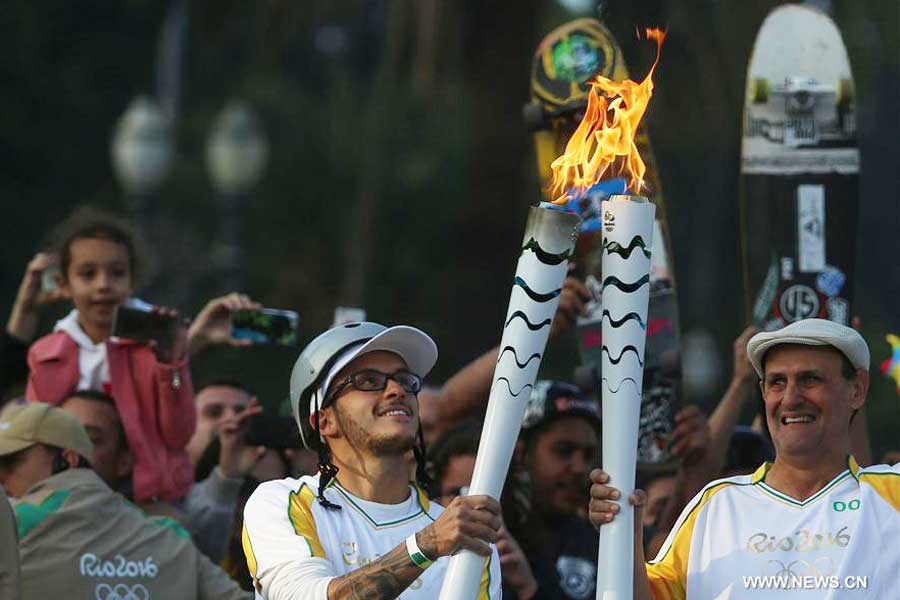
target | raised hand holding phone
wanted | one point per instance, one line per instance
(158, 326)
(237, 454)
(36, 290)
(213, 324)
(176, 351)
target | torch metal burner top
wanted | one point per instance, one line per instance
(628, 198)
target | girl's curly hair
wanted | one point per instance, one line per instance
(90, 222)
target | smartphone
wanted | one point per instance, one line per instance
(49, 281)
(265, 326)
(272, 432)
(137, 321)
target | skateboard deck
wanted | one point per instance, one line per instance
(565, 60)
(799, 171)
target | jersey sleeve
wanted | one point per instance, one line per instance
(281, 543)
(668, 571)
(491, 579)
(885, 481)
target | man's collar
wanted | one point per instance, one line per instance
(760, 473)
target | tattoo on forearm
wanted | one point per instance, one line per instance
(427, 541)
(383, 579)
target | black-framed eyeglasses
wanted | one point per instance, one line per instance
(370, 380)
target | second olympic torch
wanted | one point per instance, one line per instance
(602, 146)
(627, 240)
(542, 267)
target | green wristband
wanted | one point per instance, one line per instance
(417, 556)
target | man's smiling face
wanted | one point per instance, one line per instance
(379, 422)
(809, 399)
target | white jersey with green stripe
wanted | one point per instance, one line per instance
(295, 546)
(740, 538)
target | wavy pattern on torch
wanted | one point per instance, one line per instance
(618, 359)
(617, 248)
(612, 280)
(529, 324)
(632, 316)
(621, 383)
(506, 349)
(536, 296)
(548, 258)
(509, 387)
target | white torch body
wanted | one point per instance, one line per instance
(627, 241)
(548, 243)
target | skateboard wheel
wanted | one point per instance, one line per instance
(533, 115)
(759, 90)
(844, 92)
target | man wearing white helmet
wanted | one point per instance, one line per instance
(813, 524)
(359, 528)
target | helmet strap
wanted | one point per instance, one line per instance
(327, 471)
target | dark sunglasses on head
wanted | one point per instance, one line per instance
(370, 380)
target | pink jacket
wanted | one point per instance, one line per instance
(155, 402)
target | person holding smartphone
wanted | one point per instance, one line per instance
(98, 259)
(23, 321)
(151, 385)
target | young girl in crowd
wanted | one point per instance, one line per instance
(151, 385)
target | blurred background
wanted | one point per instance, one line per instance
(371, 153)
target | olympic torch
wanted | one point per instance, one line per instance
(548, 244)
(603, 145)
(625, 262)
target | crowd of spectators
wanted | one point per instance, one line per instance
(123, 475)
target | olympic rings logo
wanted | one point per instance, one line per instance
(121, 591)
(821, 567)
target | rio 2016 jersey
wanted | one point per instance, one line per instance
(295, 546)
(740, 538)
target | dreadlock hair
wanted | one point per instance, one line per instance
(420, 451)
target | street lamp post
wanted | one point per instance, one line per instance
(237, 152)
(142, 151)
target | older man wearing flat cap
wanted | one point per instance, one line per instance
(812, 524)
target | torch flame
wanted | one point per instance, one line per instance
(604, 140)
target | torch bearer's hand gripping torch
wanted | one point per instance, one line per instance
(468, 523)
(604, 507)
